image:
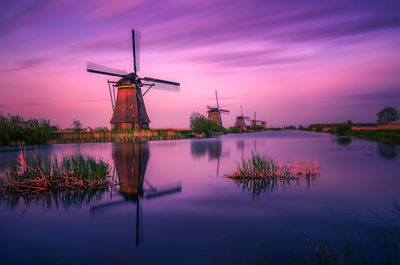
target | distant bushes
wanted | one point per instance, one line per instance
(200, 124)
(338, 128)
(14, 130)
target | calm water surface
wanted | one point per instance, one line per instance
(204, 218)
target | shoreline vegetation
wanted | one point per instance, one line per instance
(40, 178)
(259, 173)
(383, 133)
(15, 131)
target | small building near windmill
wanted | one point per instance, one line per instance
(253, 123)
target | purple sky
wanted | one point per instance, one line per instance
(294, 62)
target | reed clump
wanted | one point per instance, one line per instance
(260, 174)
(36, 176)
(260, 166)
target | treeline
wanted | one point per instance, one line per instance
(338, 128)
(16, 130)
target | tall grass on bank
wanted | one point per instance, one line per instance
(36, 176)
(115, 136)
(16, 130)
(259, 174)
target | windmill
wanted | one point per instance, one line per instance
(214, 113)
(240, 121)
(130, 161)
(254, 122)
(129, 111)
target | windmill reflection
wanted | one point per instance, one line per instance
(130, 161)
(212, 147)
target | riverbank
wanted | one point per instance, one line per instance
(383, 133)
(383, 136)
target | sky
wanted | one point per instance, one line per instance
(291, 62)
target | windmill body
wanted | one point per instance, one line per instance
(240, 121)
(214, 113)
(129, 110)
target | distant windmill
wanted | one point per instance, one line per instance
(214, 113)
(240, 121)
(254, 121)
(129, 111)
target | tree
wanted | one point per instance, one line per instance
(77, 125)
(343, 129)
(200, 124)
(386, 115)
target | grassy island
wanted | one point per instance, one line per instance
(259, 173)
(38, 177)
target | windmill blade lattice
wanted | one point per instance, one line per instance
(101, 69)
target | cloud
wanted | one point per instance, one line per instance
(26, 63)
(250, 58)
(352, 27)
(386, 95)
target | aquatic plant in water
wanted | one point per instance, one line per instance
(259, 174)
(37, 176)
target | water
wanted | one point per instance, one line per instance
(206, 218)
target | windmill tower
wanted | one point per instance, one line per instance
(214, 113)
(129, 111)
(240, 121)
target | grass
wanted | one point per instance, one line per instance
(38, 177)
(127, 136)
(259, 174)
(260, 166)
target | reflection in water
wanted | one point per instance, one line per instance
(199, 148)
(240, 145)
(258, 186)
(387, 151)
(344, 140)
(56, 200)
(130, 161)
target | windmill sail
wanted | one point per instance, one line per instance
(101, 69)
(136, 43)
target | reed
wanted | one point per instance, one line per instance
(260, 166)
(36, 176)
(115, 136)
(260, 174)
